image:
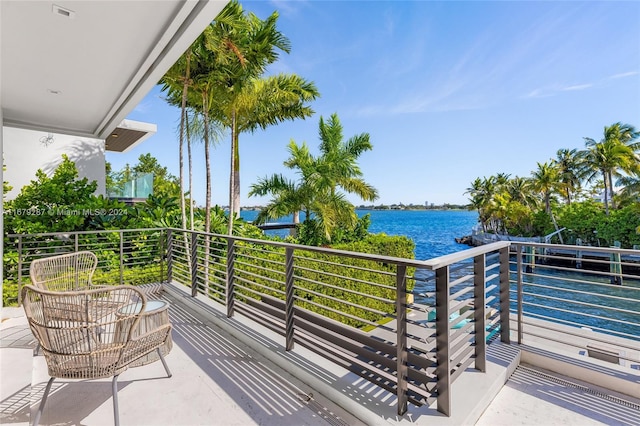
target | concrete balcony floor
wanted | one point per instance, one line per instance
(222, 377)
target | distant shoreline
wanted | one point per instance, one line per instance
(395, 207)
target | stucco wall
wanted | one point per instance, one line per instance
(24, 154)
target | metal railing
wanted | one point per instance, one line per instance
(581, 298)
(408, 326)
(125, 256)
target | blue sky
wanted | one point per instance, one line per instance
(448, 91)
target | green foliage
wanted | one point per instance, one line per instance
(581, 220)
(5, 185)
(326, 284)
(621, 226)
(320, 189)
(132, 275)
(9, 293)
(51, 204)
(164, 183)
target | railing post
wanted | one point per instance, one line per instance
(505, 328)
(75, 242)
(519, 267)
(443, 361)
(161, 253)
(289, 299)
(402, 356)
(479, 313)
(169, 256)
(231, 247)
(19, 270)
(121, 257)
(194, 264)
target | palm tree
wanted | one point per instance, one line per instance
(482, 192)
(546, 180)
(615, 153)
(289, 197)
(321, 180)
(337, 165)
(569, 163)
(520, 189)
(244, 46)
(630, 187)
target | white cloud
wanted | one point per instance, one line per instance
(624, 74)
(577, 87)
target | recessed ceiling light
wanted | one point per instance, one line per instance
(114, 135)
(61, 11)
(54, 92)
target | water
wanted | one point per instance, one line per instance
(433, 231)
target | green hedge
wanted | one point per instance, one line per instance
(328, 284)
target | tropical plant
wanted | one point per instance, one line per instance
(243, 46)
(546, 180)
(614, 154)
(317, 192)
(51, 204)
(569, 164)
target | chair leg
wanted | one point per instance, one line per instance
(36, 420)
(114, 390)
(164, 363)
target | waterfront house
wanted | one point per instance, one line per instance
(248, 353)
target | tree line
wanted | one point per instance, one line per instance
(608, 168)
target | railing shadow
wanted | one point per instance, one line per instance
(593, 404)
(250, 380)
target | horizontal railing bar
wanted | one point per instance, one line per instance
(346, 290)
(606, 296)
(580, 303)
(329, 274)
(582, 314)
(448, 259)
(364, 256)
(573, 248)
(603, 274)
(458, 294)
(545, 324)
(299, 257)
(462, 368)
(461, 280)
(239, 263)
(262, 286)
(261, 259)
(343, 302)
(335, 311)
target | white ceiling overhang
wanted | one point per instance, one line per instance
(80, 67)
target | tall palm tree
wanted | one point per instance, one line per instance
(569, 163)
(482, 191)
(179, 78)
(546, 180)
(520, 189)
(615, 153)
(244, 101)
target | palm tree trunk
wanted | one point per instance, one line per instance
(232, 174)
(190, 174)
(207, 208)
(606, 192)
(613, 201)
(183, 120)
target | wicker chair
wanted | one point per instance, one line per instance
(92, 333)
(66, 272)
